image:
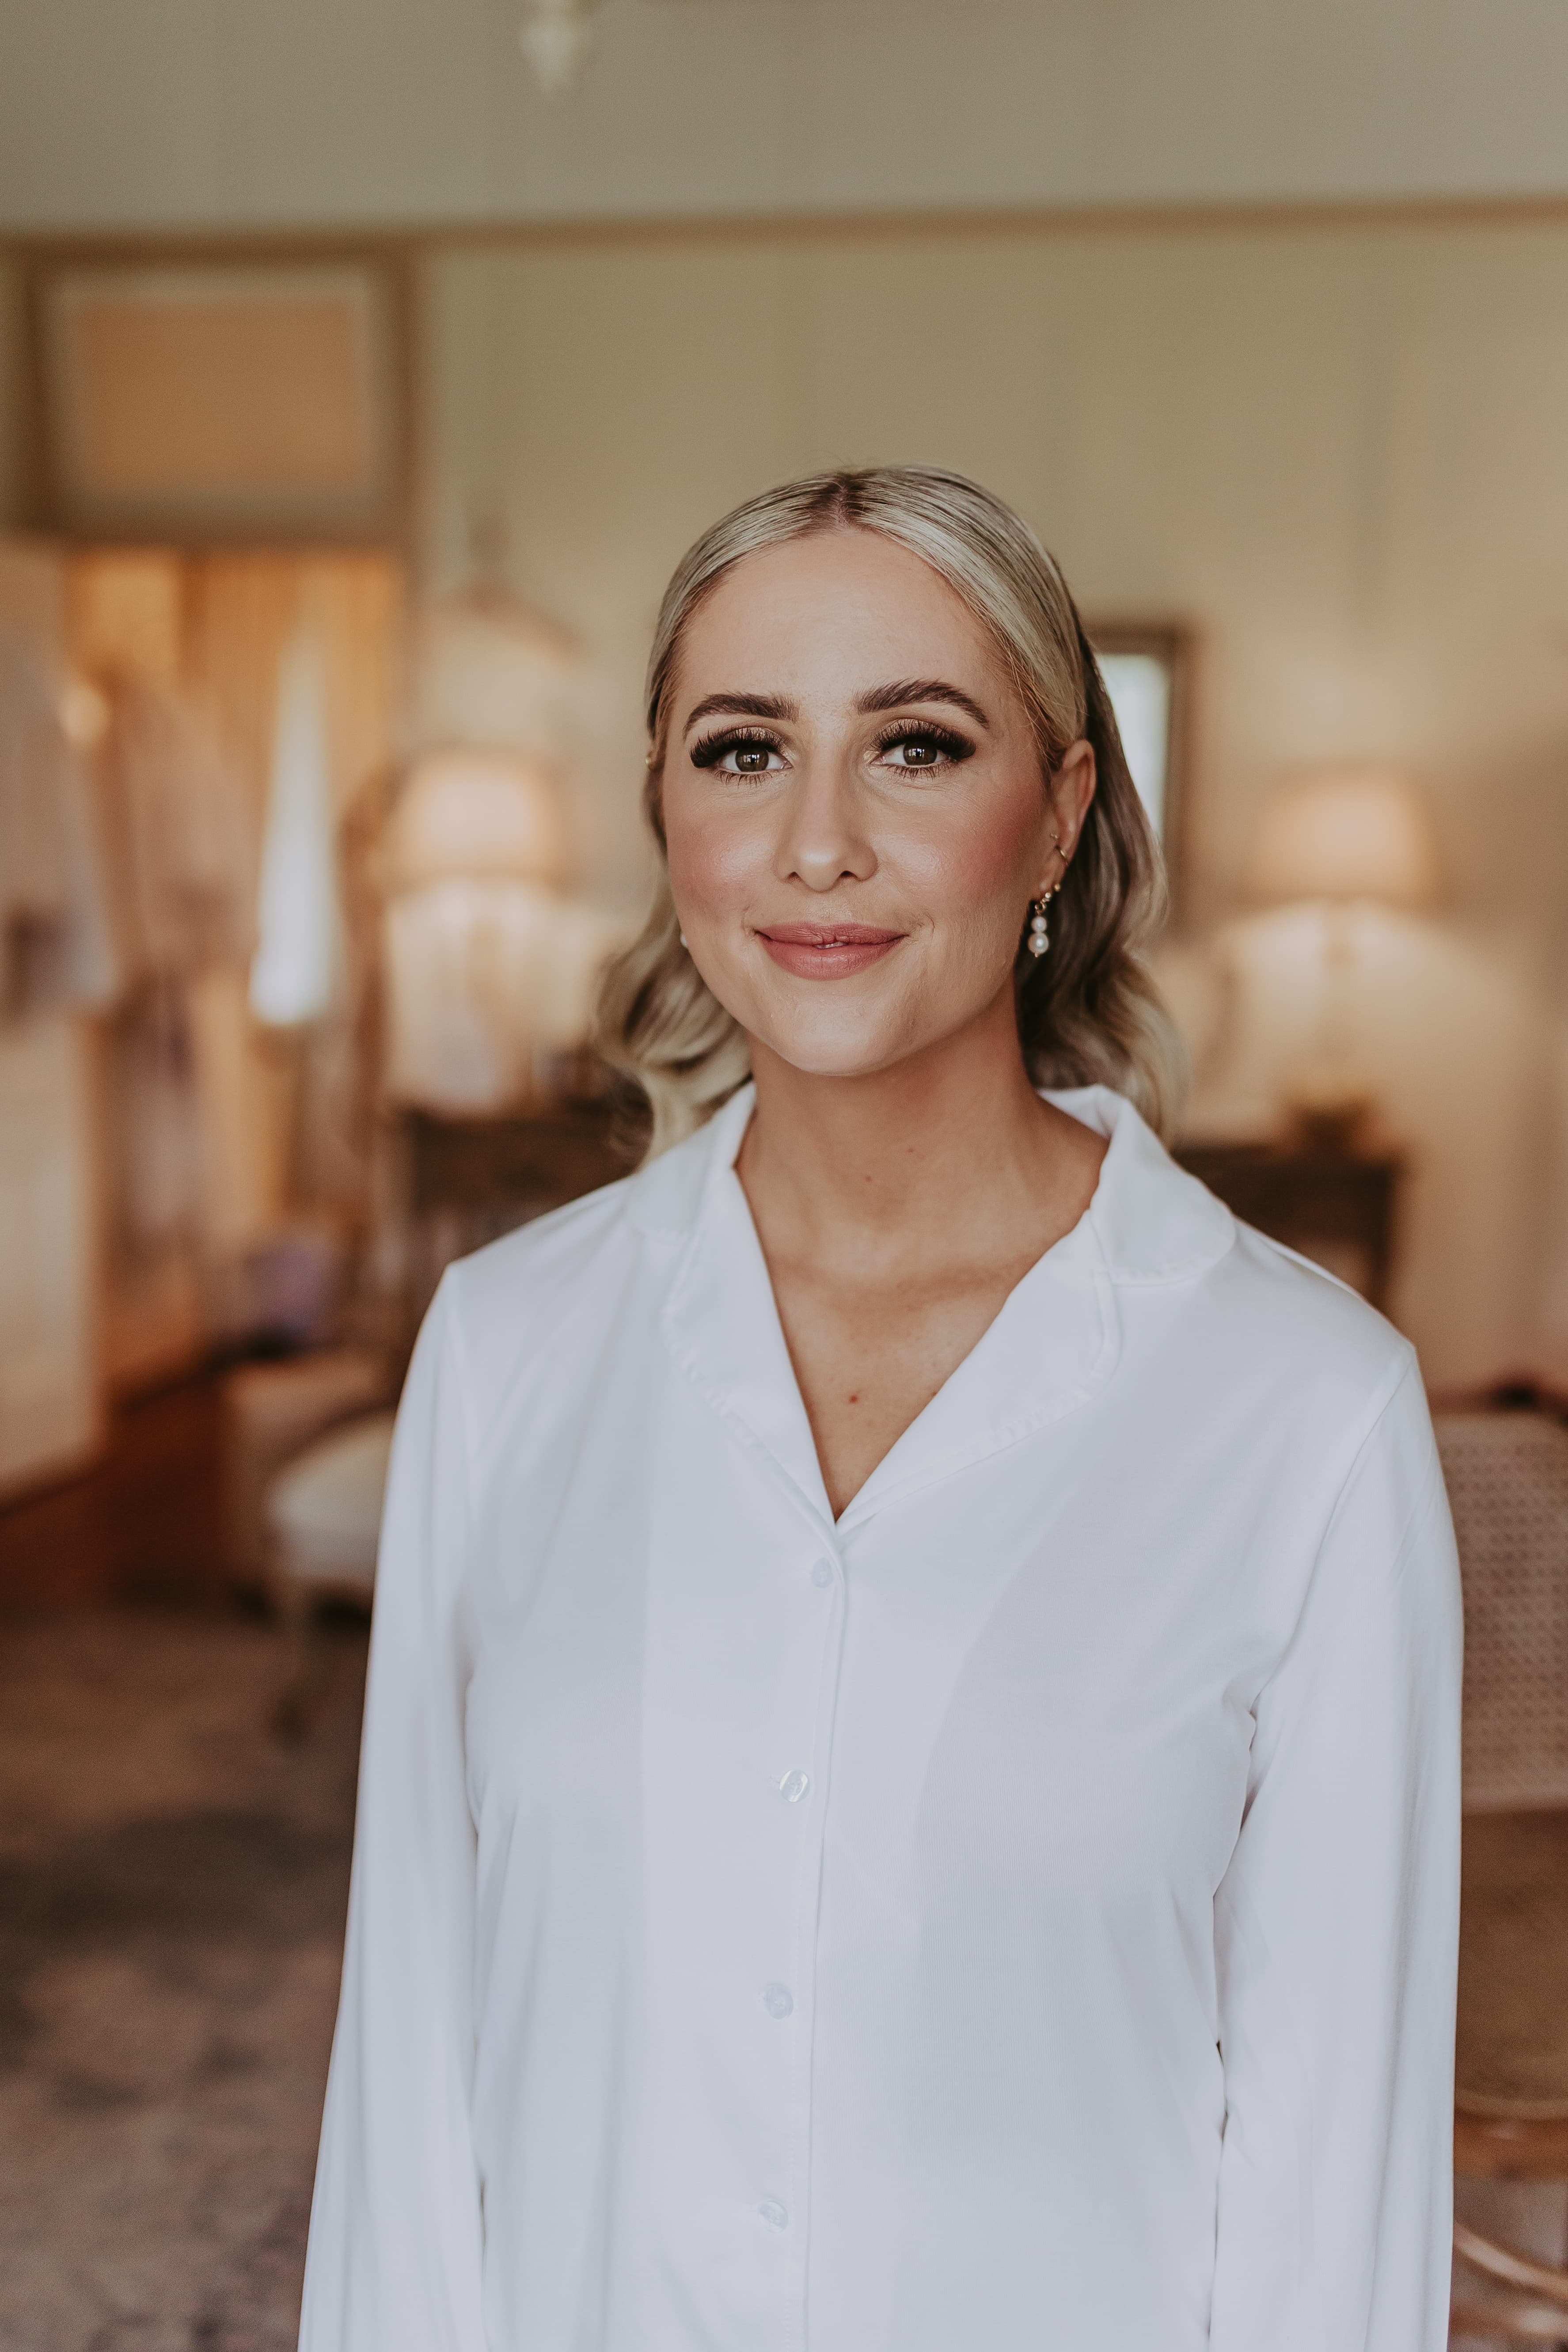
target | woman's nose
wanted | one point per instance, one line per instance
(823, 840)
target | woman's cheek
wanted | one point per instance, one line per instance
(713, 867)
(969, 872)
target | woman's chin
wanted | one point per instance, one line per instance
(834, 1051)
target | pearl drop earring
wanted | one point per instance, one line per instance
(1039, 927)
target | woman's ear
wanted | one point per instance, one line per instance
(1070, 791)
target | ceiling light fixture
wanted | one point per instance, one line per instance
(555, 37)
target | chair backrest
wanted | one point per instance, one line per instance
(1507, 1474)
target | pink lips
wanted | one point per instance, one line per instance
(827, 950)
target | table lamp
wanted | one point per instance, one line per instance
(475, 930)
(1342, 839)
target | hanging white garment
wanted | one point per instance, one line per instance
(299, 952)
(1018, 1916)
(51, 868)
(183, 835)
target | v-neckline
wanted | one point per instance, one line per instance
(1027, 1367)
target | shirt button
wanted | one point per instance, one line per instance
(793, 1786)
(773, 2213)
(777, 1999)
(822, 1573)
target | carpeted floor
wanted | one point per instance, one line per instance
(172, 1880)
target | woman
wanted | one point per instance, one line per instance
(909, 1799)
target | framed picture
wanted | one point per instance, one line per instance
(236, 397)
(1147, 668)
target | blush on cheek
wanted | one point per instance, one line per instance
(968, 868)
(710, 867)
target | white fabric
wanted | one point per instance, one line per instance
(51, 862)
(326, 1506)
(184, 850)
(1020, 1916)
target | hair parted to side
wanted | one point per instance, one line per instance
(1089, 1011)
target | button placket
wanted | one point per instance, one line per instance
(804, 1726)
(804, 1788)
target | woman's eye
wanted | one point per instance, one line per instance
(922, 750)
(737, 755)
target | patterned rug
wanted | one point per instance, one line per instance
(173, 1881)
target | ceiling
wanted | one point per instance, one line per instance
(273, 113)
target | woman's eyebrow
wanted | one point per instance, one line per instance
(921, 689)
(754, 706)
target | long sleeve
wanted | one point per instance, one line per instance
(396, 2237)
(1337, 1929)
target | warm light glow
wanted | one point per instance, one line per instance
(484, 815)
(483, 978)
(1346, 836)
(84, 713)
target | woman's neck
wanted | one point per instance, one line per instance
(947, 1155)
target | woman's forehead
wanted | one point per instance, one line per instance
(834, 606)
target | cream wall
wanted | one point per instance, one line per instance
(209, 112)
(1340, 450)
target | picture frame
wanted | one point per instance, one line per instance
(1147, 668)
(218, 395)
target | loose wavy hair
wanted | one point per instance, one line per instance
(1089, 1011)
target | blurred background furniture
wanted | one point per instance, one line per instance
(1342, 840)
(272, 1413)
(468, 1180)
(323, 1527)
(1334, 1203)
(1507, 1474)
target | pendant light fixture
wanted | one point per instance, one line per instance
(555, 37)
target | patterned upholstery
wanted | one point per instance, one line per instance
(1507, 1474)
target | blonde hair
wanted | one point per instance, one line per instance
(1089, 1011)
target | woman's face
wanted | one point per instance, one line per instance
(854, 806)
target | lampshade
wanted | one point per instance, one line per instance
(488, 670)
(1346, 835)
(479, 816)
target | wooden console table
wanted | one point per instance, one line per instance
(1338, 1208)
(530, 1161)
(465, 1181)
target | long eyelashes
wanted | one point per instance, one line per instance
(708, 750)
(951, 746)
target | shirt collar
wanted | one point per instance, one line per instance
(1149, 1221)
(1053, 1344)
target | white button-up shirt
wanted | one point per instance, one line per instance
(1019, 1916)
